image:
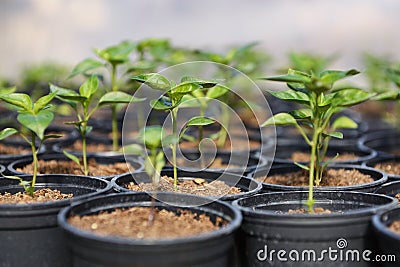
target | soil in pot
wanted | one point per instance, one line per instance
(6, 149)
(70, 167)
(390, 167)
(134, 223)
(237, 144)
(91, 147)
(40, 195)
(332, 177)
(305, 157)
(395, 227)
(196, 186)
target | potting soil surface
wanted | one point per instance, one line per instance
(40, 195)
(331, 177)
(305, 157)
(391, 167)
(134, 223)
(192, 186)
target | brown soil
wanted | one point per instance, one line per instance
(197, 186)
(305, 157)
(398, 197)
(316, 210)
(216, 164)
(41, 195)
(13, 150)
(237, 144)
(395, 227)
(332, 177)
(70, 167)
(134, 223)
(391, 167)
(77, 146)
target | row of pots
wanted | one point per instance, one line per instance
(262, 225)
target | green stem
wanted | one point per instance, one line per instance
(174, 147)
(84, 153)
(114, 119)
(223, 133)
(35, 164)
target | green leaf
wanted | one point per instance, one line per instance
(133, 149)
(84, 66)
(389, 95)
(118, 97)
(188, 101)
(350, 97)
(337, 135)
(163, 103)
(203, 83)
(67, 95)
(36, 122)
(301, 114)
(8, 90)
(199, 121)
(89, 87)
(7, 132)
(116, 54)
(160, 161)
(18, 100)
(293, 76)
(183, 89)
(152, 136)
(217, 91)
(72, 157)
(42, 102)
(170, 140)
(51, 136)
(292, 96)
(280, 119)
(154, 80)
(329, 77)
(344, 122)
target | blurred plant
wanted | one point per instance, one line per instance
(315, 91)
(34, 118)
(84, 106)
(245, 59)
(308, 62)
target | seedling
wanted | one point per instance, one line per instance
(110, 58)
(321, 101)
(245, 59)
(35, 117)
(174, 96)
(84, 106)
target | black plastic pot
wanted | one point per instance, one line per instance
(379, 179)
(382, 159)
(249, 162)
(267, 226)
(29, 232)
(247, 185)
(210, 249)
(383, 142)
(389, 242)
(2, 169)
(101, 159)
(285, 149)
(389, 189)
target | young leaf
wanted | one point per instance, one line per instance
(36, 122)
(217, 91)
(350, 97)
(302, 166)
(19, 100)
(154, 80)
(330, 76)
(163, 103)
(280, 119)
(117, 53)
(160, 161)
(183, 88)
(8, 90)
(337, 135)
(72, 157)
(42, 102)
(133, 149)
(67, 95)
(151, 136)
(50, 136)
(291, 95)
(7, 132)
(170, 140)
(301, 114)
(199, 121)
(297, 77)
(84, 66)
(389, 95)
(89, 87)
(118, 97)
(344, 122)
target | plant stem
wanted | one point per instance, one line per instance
(223, 133)
(84, 153)
(114, 119)
(174, 146)
(35, 164)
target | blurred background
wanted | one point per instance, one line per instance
(35, 31)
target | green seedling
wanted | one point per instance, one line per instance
(84, 105)
(316, 93)
(110, 58)
(35, 117)
(308, 62)
(247, 60)
(173, 98)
